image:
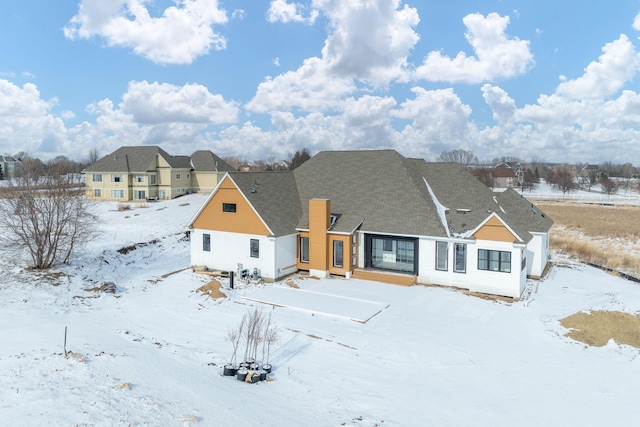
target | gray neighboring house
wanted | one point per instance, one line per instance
(150, 173)
(373, 215)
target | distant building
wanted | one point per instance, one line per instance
(149, 172)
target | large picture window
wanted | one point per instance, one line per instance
(304, 249)
(338, 253)
(442, 254)
(494, 260)
(461, 258)
(117, 194)
(206, 242)
(391, 253)
(255, 248)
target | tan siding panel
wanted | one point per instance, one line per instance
(494, 230)
(244, 220)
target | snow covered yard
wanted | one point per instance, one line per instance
(152, 353)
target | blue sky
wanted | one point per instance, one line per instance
(544, 80)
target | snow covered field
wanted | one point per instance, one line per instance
(152, 353)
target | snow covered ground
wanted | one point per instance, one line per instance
(152, 353)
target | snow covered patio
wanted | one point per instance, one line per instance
(324, 299)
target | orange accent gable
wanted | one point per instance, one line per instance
(244, 220)
(494, 230)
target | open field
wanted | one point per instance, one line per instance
(603, 235)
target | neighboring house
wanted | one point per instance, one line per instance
(8, 165)
(374, 215)
(149, 172)
(504, 176)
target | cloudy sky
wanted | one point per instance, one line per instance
(547, 80)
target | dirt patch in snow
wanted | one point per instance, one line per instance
(212, 289)
(596, 328)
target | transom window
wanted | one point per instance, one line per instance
(228, 207)
(494, 260)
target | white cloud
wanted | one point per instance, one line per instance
(309, 88)
(154, 103)
(617, 65)
(26, 121)
(282, 11)
(502, 105)
(369, 40)
(636, 22)
(496, 54)
(183, 32)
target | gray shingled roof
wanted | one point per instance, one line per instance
(385, 193)
(136, 159)
(274, 196)
(205, 160)
(374, 188)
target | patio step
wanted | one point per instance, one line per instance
(384, 277)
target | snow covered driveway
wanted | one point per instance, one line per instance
(317, 302)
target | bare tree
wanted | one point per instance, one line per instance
(46, 214)
(564, 179)
(609, 186)
(94, 155)
(463, 157)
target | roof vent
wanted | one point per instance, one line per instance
(252, 189)
(463, 211)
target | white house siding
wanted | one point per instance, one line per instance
(285, 255)
(537, 254)
(508, 284)
(277, 255)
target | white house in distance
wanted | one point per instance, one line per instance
(375, 215)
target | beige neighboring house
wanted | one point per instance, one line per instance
(150, 173)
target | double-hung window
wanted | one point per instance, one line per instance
(460, 258)
(255, 248)
(338, 253)
(304, 249)
(97, 177)
(116, 178)
(206, 242)
(442, 253)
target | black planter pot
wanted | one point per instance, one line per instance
(255, 377)
(267, 368)
(229, 370)
(241, 375)
(244, 365)
(253, 367)
(250, 360)
(263, 374)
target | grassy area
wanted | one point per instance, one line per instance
(604, 235)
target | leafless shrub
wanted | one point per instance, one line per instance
(47, 214)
